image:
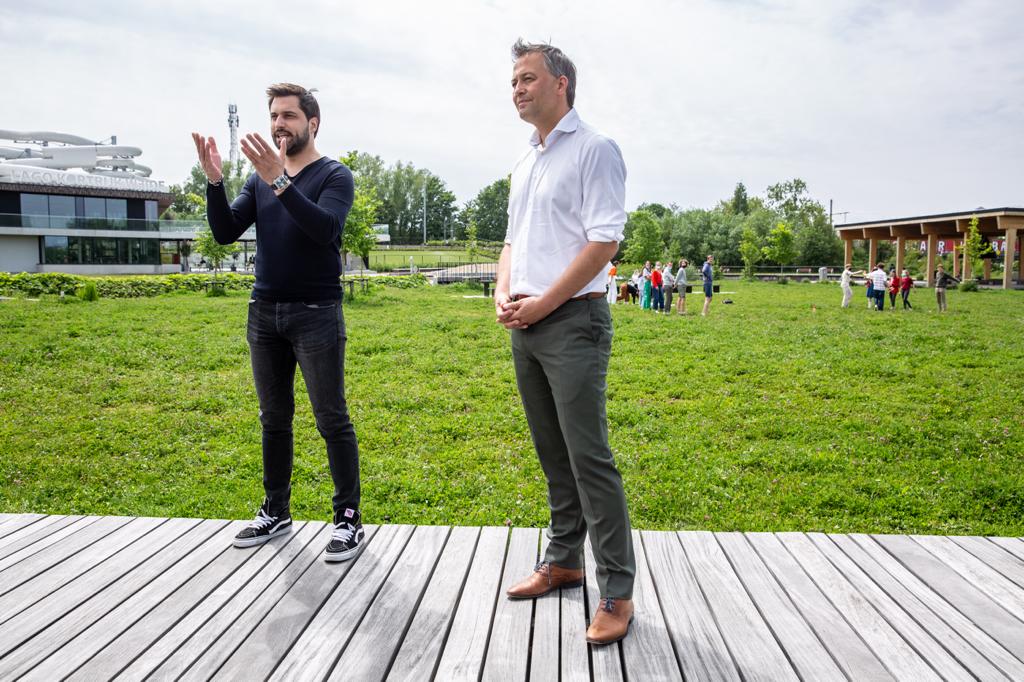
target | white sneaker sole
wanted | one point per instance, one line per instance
(334, 557)
(259, 540)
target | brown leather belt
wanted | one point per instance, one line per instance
(585, 297)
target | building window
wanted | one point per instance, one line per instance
(55, 250)
(35, 210)
(151, 210)
(117, 213)
(95, 213)
(62, 211)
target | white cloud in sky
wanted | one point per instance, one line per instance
(888, 108)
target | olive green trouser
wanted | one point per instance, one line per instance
(561, 363)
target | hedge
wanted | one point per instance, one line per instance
(37, 284)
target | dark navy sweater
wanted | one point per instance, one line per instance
(298, 234)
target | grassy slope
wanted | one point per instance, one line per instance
(768, 415)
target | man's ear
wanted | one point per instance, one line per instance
(314, 125)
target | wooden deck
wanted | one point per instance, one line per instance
(146, 598)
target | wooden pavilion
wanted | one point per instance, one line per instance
(993, 223)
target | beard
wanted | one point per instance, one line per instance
(296, 143)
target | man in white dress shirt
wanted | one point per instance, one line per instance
(566, 216)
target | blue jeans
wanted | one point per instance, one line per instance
(312, 336)
(659, 301)
(880, 299)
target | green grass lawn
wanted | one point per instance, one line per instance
(771, 414)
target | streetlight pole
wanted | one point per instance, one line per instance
(424, 212)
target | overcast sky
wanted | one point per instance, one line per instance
(887, 108)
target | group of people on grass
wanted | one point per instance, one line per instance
(879, 283)
(654, 285)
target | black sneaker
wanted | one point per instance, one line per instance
(347, 537)
(264, 527)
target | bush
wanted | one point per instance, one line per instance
(88, 292)
(968, 286)
(783, 280)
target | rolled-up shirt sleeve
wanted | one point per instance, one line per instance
(603, 173)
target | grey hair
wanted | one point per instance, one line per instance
(557, 63)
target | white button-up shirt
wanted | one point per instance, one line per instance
(565, 193)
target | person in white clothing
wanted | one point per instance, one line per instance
(844, 284)
(880, 282)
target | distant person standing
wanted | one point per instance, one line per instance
(645, 291)
(942, 280)
(613, 290)
(681, 286)
(879, 282)
(656, 282)
(844, 284)
(894, 287)
(707, 275)
(668, 283)
(906, 284)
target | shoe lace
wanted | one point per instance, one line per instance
(608, 604)
(343, 532)
(262, 520)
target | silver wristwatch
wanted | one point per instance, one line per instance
(280, 182)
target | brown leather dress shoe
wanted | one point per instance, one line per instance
(546, 577)
(611, 622)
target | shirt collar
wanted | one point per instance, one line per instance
(569, 123)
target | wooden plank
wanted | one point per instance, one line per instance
(509, 646)
(987, 579)
(375, 642)
(1012, 545)
(216, 613)
(297, 634)
(605, 661)
(927, 634)
(464, 650)
(898, 656)
(698, 643)
(229, 570)
(647, 652)
(70, 540)
(48, 572)
(752, 644)
(324, 639)
(421, 649)
(18, 522)
(808, 655)
(544, 653)
(848, 650)
(27, 535)
(98, 635)
(75, 622)
(1005, 562)
(209, 648)
(17, 629)
(954, 588)
(1009, 664)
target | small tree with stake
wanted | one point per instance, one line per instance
(215, 253)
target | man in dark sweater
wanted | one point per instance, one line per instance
(299, 200)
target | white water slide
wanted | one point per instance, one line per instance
(61, 151)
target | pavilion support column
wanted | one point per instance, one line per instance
(872, 253)
(966, 271)
(1009, 245)
(1020, 267)
(901, 247)
(956, 261)
(933, 252)
(847, 251)
(986, 268)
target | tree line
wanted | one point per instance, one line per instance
(783, 227)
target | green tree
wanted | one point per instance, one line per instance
(359, 237)
(213, 251)
(740, 204)
(645, 243)
(976, 247)
(750, 251)
(781, 248)
(489, 210)
(189, 198)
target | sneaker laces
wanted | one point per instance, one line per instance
(262, 520)
(343, 532)
(608, 604)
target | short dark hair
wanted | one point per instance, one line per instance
(310, 107)
(557, 63)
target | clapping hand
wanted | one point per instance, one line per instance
(266, 161)
(209, 157)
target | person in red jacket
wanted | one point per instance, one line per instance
(656, 282)
(906, 284)
(894, 288)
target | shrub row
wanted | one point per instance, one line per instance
(38, 284)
